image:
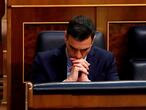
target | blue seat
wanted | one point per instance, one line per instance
(52, 39)
(137, 52)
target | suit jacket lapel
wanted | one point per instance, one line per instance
(92, 60)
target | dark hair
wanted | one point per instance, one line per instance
(80, 28)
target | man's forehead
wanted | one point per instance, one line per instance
(79, 44)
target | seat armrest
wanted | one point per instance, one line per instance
(29, 94)
(138, 68)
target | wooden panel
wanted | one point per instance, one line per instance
(74, 2)
(2, 8)
(87, 101)
(105, 14)
(118, 44)
(2, 11)
(103, 108)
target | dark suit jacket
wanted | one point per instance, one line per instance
(51, 66)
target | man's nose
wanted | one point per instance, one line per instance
(78, 54)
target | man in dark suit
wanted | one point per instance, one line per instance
(77, 59)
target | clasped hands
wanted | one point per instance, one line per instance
(79, 71)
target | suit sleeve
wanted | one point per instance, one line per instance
(111, 68)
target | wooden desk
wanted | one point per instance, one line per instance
(75, 102)
(87, 95)
(88, 101)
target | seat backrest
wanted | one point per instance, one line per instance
(137, 52)
(137, 41)
(52, 39)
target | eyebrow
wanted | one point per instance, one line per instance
(77, 49)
